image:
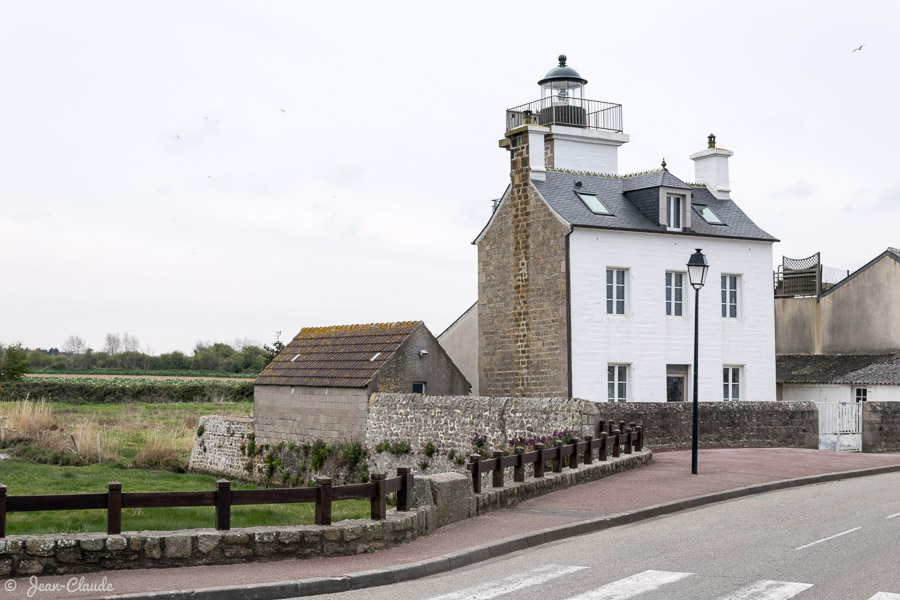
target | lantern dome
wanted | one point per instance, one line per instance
(562, 72)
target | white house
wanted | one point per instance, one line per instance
(583, 286)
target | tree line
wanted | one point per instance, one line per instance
(124, 352)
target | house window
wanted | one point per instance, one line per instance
(708, 214)
(676, 383)
(615, 291)
(418, 387)
(731, 383)
(674, 294)
(730, 296)
(617, 378)
(593, 202)
(862, 394)
(673, 212)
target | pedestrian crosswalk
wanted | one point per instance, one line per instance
(633, 586)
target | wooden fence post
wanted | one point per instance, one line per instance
(519, 470)
(475, 464)
(497, 480)
(629, 440)
(640, 438)
(404, 496)
(557, 456)
(379, 500)
(539, 465)
(323, 504)
(589, 449)
(2, 511)
(615, 437)
(113, 508)
(223, 504)
(573, 460)
(604, 447)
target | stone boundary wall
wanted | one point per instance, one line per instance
(218, 450)
(722, 424)
(881, 427)
(450, 422)
(90, 552)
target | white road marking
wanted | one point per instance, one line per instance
(510, 584)
(885, 596)
(632, 586)
(830, 537)
(892, 516)
(769, 590)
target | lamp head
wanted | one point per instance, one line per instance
(697, 268)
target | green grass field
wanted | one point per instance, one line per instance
(24, 478)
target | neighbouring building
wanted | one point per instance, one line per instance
(582, 281)
(840, 341)
(460, 340)
(318, 387)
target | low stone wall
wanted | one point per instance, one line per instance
(722, 424)
(449, 423)
(218, 449)
(90, 552)
(881, 427)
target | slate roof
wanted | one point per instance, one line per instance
(864, 369)
(339, 356)
(620, 195)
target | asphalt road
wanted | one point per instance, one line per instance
(837, 541)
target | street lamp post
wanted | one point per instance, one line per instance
(697, 268)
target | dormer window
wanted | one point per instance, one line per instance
(594, 203)
(708, 214)
(674, 206)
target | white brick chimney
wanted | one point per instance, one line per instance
(711, 168)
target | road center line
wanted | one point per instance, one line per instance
(769, 590)
(511, 584)
(894, 515)
(830, 537)
(643, 582)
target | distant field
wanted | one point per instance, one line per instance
(158, 377)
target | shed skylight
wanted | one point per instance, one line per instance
(708, 214)
(374, 356)
(594, 203)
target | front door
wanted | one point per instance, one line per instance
(676, 383)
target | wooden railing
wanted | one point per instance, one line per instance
(613, 440)
(223, 498)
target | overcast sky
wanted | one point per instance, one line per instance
(192, 171)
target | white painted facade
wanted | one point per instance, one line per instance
(646, 339)
(837, 392)
(592, 150)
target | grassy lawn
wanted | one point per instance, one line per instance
(26, 478)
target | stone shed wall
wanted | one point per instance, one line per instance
(284, 413)
(881, 427)
(217, 448)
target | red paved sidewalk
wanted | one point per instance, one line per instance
(667, 479)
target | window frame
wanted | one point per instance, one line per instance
(612, 287)
(415, 383)
(617, 369)
(671, 303)
(720, 223)
(730, 383)
(596, 197)
(677, 212)
(864, 397)
(726, 295)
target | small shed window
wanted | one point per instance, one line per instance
(418, 387)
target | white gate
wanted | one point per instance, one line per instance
(840, 425)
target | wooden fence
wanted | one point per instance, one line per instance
(612, 440)
(223, 498)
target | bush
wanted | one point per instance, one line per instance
(125, 390)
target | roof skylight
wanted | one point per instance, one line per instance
(708, 214)
(593, 202)
(374, 356)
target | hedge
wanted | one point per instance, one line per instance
(80, 392)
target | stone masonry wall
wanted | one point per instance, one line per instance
(22, 555)
(722, 424)
(522, 315)
(450, 422)
(881, 427)
(218, 449)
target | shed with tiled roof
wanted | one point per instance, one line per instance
(319, 384)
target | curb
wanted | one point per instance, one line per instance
(464, 558)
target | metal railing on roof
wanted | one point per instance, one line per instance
(573, 112)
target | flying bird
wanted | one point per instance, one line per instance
(857, 49)
(178, 136)
(282, 110)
